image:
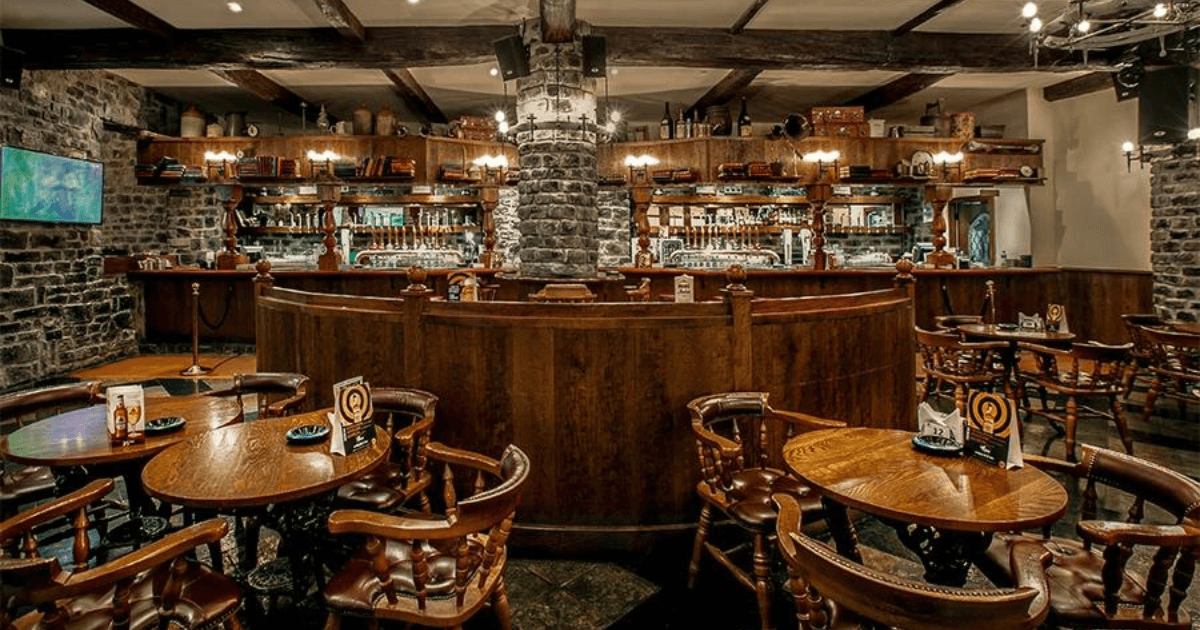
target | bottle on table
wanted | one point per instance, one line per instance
(120, 421)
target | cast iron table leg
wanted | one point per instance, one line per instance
(947, 555)
(842, 529)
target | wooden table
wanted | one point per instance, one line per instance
(1191, 328)
(955, 502)
(992, 332)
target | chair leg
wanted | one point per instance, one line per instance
(1072, 418)
(1151, 395)
(1122, 426)
(698, 544)
(500, 605)
(333, 621)
(762, 579)
(799, 590)
(923, 393)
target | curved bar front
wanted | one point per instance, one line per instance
(596, 393)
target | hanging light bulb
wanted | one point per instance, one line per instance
(1029, 10)
(614, 115)
(1035, 25)
(1083, 25)
(500, 116)
(1160, 10)
(610, 127)
(503, 127)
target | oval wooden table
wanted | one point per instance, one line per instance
(955, 502)
(992, 332)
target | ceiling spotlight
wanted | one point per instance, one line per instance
(493, 72)
(613, 71)
(1035, 25)
(413, 1)
(235, 7)
(1083, 25)
(1029, 10)
(1160, 10)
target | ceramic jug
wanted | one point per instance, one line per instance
(385, 122)
(362, 121)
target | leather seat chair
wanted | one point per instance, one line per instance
(278, 393)
(832, 592)
(950, 323)
(436, 569)
(740, 442)
(20, 485)
(407, 415)
(1086, 370)
(1092, 582)
(153, 587)
(965, 365)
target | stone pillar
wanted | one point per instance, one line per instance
(557, 205)
(1175, 237)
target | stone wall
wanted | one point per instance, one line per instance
(58, 310)
(1175, 237)
(615, 208)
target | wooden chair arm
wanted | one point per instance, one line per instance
(1112, 533)
(983, 345)
(439, 451)
(727, 447)
(1028, 561)
(390, 526)
(1049, 464)
(1040, 349)
(27, 572)
(405, 436)
(148, 557)
(29, 519)
(281, 407)
(805, 420)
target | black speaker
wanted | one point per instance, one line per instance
(1164, 105)
(11, 63)
(512, 57)
(1127, 79)
(594, 51)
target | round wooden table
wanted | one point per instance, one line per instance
(992, 332)
(955, 502)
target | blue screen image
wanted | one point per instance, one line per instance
(37, 186)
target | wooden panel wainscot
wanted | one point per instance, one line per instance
(597, 393)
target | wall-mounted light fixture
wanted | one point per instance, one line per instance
(823, 159)
(327, 157)
(492, 165)
(220, 161)
(638, 164)
(948, 161)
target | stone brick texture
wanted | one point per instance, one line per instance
(1175, 237)
(58, 310)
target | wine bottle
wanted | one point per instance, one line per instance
(690, 126)
(744, 128)
(680, 126)
(664, 127)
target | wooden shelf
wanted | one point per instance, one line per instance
(846, 231)
(364, 200)
(279, 230)
(734, 200)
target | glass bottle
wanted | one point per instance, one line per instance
(743, 122)
(120, 421)
(690, 126)
(680, 126)
(664, 127)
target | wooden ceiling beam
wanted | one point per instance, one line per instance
(727, 88)
(558, 20)
(414, 96)
(926, 15)
(264, 88)
(896, 90)
(747, 15)
(1086, 84)
(135, 16)
(343, 19)
(411, 47)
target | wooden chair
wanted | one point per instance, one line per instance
(434, 569)
(952, 322)
(1086, 370)
(1095, 588)
(406, 415)
(20, 485)
(740, 439)
(1142, 351)
(152, 587)
(278, 393)
(1175, 364)
(966, 365)
(831, 591)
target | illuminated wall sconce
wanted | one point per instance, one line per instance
(220, 162)
(823, 159)
(948, 161)
(327, 157)
(1134, 153)
(638, 164)
(492, 166)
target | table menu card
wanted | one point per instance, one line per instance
(351, 422)
(992, 430)
(685, 289)
(126, 417)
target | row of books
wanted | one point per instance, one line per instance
(267, 166)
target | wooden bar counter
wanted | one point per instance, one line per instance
(596, 393)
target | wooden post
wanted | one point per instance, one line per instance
(641, 205)
(230, 196)
(330, 260)
(818, 194)
(738, 297)
(415, 295)
(939, 196)
(489, 197)
(558, 21)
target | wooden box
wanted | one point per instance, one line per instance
(818, 115)
(842, 130)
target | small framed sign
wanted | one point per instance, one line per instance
(992, 430)
(126, 416)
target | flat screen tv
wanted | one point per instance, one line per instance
(36, 186)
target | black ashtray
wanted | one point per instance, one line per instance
(1007, 326)
(936, 445)
(307, 434)
(167, 424)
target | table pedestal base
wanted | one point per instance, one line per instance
(946, 554)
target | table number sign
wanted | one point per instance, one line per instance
(351, 420)
(1056, 318)
(943, 426)
(126, 417)
(685, 289)
(992, 431)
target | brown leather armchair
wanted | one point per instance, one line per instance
(279, 393)
(407, 415)
(1092, 584)
(833, 592)
(20, 485)
(149, 588)
(740, 439)
(435, 569)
